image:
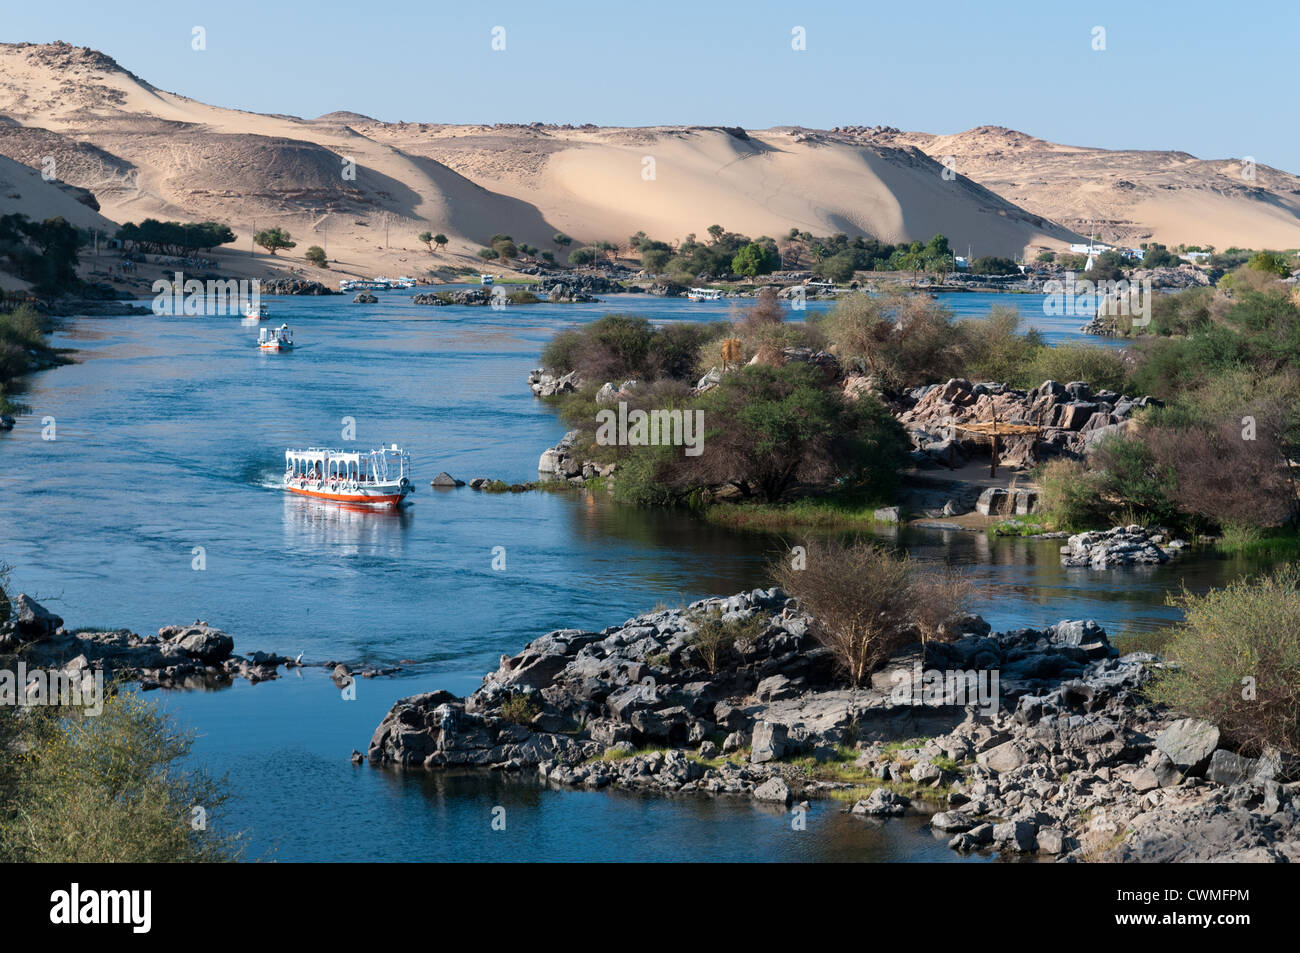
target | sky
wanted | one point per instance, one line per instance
(1217, 80)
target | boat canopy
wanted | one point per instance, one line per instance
(389, 464)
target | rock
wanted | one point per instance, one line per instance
(1051, 840)
(365, 297)
(1189, 744)
(1020, 836)
(952, 822)
(1005, 757)
(734, 742)
(992, 502)
(1227, 768)
(357, 756)
(882, 802)
(446, 479)
(773, 789)
(32, 621)
(886, 514)
(769, 742)
(205, 643)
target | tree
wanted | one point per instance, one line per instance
(716, 233)
(427, 238)
(316, 255)
(488, 254)
(562, 239)
(993, 265)
(273, 239)
(440, 240)
(505, 247)
(582, 256)
(756, 259)
(863, 600)
(779, 427)
(1270, 263)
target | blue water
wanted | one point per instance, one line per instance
(169, 431)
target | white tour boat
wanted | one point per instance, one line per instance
(255, 312)
(277, 339)
(704, 294)
(371, 478)
(486, 280)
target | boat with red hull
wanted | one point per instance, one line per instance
(360, 478)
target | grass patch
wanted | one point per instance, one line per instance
(824, 513)
(1154, 641)
(1253, 544)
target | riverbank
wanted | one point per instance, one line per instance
(1043, 744)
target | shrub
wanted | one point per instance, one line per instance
(1102, 367)
(1069, 496)
(715, 637)
(997, 349)
(1246, 634)
(316, 256)
(904, 339)
(81, 788)
(770, 429)
(520, 709)
(864, 600)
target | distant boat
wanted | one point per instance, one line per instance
(371, 478)
(486, 280)
(365, 284)
(279, 339)
(704, 294)
(255, 313)
(403, 282)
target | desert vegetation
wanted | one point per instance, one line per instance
(866, 599)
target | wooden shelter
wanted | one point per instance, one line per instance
(995, 430)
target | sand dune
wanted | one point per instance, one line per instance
(145, 152)
(1130, 196)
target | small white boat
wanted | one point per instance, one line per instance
(277, 339)
(255, 312)
(704, 294)
(486, 280)
(371, 478)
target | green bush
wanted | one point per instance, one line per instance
(716, 637)
(1238, 662)
(520, 709)
(104, 788)
(1101, 367)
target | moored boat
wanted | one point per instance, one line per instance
(255, 312)
(369, 478)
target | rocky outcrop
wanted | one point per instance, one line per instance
(294, 286)
(1087, 772)
(365, 297)
(1121, 546)
(178, 656)
(1072, 417)
(544, 384)
(561, 462)
(576, 287)
(1063, 759)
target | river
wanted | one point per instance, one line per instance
(153, 506)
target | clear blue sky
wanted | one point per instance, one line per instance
(1217, 80)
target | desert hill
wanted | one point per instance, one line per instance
(364, 189)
